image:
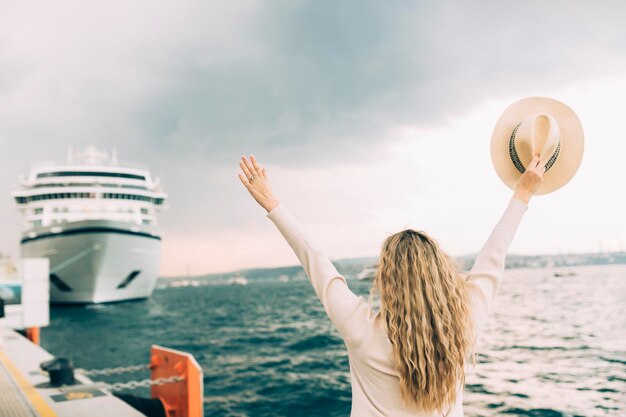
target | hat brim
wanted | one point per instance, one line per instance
(572, 142)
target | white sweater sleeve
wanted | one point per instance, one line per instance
(330, 286)
(488, 270)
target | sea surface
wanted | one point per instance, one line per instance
(554, 346)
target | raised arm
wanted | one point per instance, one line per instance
(330, 286)
(488, 269)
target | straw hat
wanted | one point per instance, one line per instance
(532, 125)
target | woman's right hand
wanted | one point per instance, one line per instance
(254, 178)
(530, 181)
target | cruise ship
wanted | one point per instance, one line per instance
(95, 219)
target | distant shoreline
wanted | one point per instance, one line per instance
(466, 261)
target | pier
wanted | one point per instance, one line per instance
(31, 388)
(25, 390)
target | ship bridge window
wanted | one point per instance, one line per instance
(53, 196)
(116, 196)
(134, 187)
(120, 196)
(90, 174)
(89, 184)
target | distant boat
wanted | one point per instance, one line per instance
(367, 273)
(564, 274)
(283, 278)
(8, 270)
(180, 283)
(239, 280)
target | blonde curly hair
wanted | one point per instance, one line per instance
(424, 304)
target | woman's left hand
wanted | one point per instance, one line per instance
(254, 178)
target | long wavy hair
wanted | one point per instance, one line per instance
(424, 304)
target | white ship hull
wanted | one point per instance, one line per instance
(97, 261)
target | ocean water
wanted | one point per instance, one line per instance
(554, 346)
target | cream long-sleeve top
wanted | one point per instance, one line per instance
(375, 382)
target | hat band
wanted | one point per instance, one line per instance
(515, 157)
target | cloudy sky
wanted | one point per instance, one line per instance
(370, 116)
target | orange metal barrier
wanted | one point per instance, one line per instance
(34, 334)
(183, 398)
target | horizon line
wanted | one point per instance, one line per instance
(236, 271)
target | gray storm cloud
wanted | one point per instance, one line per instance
(338, 75)
(211, 79)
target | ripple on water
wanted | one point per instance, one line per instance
(613, 360)
(315, 342)
(537, 412)
(478, 388)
